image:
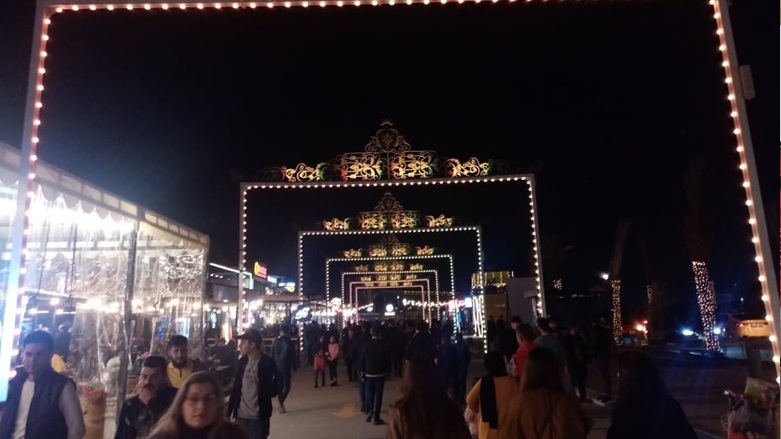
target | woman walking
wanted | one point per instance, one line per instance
(197, 412)
(543, 409)
(424, 410)
(488, 400)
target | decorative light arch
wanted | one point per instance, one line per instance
(387, 258)
(478, 244)
(425, 280)
(45, 9)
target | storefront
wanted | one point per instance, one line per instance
(119, 279)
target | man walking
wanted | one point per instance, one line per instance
(42, 404)
(179, 366)
(283, 352)
(254, 386)
(375, 366)
(141, 412)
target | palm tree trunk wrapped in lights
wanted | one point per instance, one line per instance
(618, 325)
(694, 185)
(706, 299)
(555, 250)
(622, 230)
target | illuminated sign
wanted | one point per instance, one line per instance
(260, 270)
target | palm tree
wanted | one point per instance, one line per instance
(694, 181)
(654, 292)
(554, 254)
(622, 231)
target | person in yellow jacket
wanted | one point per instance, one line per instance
(58, 364)
(179, 366)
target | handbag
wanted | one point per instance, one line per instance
(319, 363)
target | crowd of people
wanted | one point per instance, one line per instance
(533, 387)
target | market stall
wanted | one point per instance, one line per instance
(115, 277)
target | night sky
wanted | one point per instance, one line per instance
(608, 102)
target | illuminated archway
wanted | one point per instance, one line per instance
(47, 8)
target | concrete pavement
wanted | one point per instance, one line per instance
(333, 412)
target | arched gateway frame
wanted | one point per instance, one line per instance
(351, 286)
(329, 261)
(45, 9)
(527, 178)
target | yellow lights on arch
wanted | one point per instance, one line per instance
(32, 123)
(413, 267)
(302, 235)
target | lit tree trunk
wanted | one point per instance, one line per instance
(694, 186)
(615, 282)
(554, 253)
(653, 291)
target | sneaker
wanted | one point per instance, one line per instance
(369, 418)
(378, 422)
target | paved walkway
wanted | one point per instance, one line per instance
(333, 412)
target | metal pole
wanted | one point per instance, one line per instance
(127, 317)
(242, 256)
(16, 266)
(536, 241)
(758, 222)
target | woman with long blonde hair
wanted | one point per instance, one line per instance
(197, 412)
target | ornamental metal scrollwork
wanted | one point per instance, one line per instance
(415, 266)
(388, 203)
(361, 166)
(372, 221)
(440, 221)
(399, 250)
(353, 253)
(411, 276)
(376, 251)
(406, 219)
(470, 168)
(366, 278)
(413, 164)
(397, 266)
(380, 266)
(304, 172)
(387, 139)
(425, 250)
(362, 268)
(337, 224)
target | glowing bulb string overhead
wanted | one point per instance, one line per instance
(32, 122)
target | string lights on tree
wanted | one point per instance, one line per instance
(726, 46)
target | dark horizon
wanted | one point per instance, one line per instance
(605, 107)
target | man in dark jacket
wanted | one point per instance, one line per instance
(348, 340)
(508, 344)
(422, 344)
(464, 358)
(254, 386)
(283, 352)
(41, 404)
(374, 366)
(141, 412)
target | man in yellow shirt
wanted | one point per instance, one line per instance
(179, 366)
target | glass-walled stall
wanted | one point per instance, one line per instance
(109, 279)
